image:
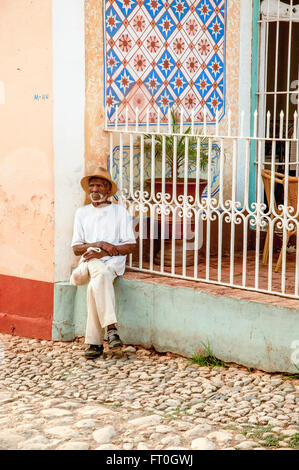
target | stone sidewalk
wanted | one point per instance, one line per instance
(52, 398)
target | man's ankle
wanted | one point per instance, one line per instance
(114, 340)
(111, 327)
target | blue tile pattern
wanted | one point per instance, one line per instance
(161, 54)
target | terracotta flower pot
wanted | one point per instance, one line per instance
(169, 223)
(179, 186)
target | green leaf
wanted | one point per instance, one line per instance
(181, 146)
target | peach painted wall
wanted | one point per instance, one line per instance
(96, 140)
(26, 140)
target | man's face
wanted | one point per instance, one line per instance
(99, 189)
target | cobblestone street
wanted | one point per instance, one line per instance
(51, 397)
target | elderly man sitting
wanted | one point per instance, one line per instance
(103, 236)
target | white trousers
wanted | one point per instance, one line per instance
(100, 297)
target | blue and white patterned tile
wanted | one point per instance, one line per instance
(205, 10)
(153, 7)
(113, 21)
(148, 166)
(175, 50)
(126, 6)
(179, 8)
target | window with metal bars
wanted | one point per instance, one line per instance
(279, 80)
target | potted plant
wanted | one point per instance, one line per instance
(177, 167)
(180, 160)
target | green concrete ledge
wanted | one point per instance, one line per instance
(63, 327)
(177, 319)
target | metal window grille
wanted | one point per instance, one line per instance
(279, 78)
(208, 234)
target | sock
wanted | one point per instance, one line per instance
(112, 331)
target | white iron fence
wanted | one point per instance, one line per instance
(212, 204)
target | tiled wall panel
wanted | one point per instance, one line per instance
(160, 54)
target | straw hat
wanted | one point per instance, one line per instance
(99, 172)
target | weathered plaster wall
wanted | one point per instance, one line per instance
(42, 98)
(26, 150)
(173, 317)
(232, 84)
(96, 141)
(68, 115)
(180, 319)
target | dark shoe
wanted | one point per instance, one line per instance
(93, 351)
(114, 340)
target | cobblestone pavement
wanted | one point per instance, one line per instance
(51, 397)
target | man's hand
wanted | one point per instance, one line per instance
(79, 250)
(89, 255)
(112, 250)
(107, 249)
